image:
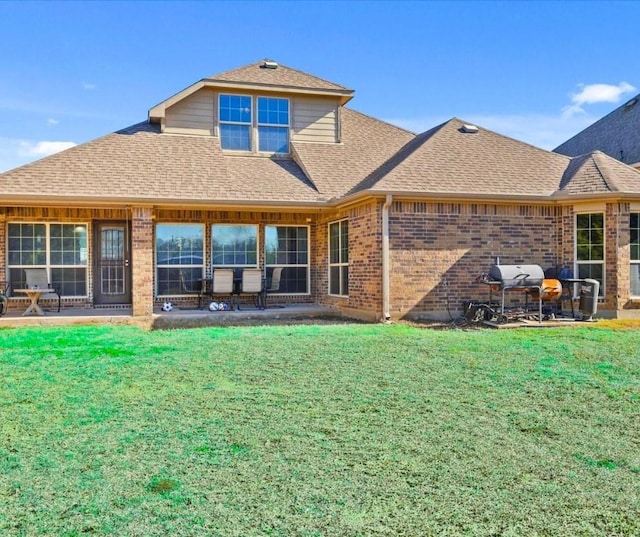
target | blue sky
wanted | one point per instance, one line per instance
(536, 71)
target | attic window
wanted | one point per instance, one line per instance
(269, 64)
(470, 129)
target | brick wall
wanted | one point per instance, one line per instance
(617, 256)
(142, 260)
(438, 249)
(365, 261)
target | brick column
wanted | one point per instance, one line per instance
(142, 260)
(3, 246)
(618, 255)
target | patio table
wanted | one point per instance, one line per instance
(34, 296)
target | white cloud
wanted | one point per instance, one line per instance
(89, 86)
(596, 93)
(43, 149)
(15, 152)
(52, 121)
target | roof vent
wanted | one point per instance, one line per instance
(472, 129)
(631, 103)
(269, 64)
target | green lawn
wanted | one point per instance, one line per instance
(337, 430)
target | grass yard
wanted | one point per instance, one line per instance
(333, 430)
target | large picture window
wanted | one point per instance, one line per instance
(339, 258)
(60, 248)
(590, 247)
(235, 122)
(179, 258)
(287, 259)
(635, 254)
(234, 245)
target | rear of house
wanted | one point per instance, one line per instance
(266, 167)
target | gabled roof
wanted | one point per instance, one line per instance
(138, 164)
(617, 135)
(454, 160)
(256, 76)
(281, 75)
(597, 173)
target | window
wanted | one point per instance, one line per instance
(235, 122)
(635, 254)
(273, 125)
(234, 245)
(179, 258)
(339, 258)
(60, 248)
(590, 247)
(287, 251)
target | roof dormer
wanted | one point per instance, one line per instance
(259, 108)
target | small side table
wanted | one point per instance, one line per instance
(34, 296)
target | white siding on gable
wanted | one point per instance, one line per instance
(193, 115)
(314, 120)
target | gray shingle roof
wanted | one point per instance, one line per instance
(366, 144)
(446, 160)
(617, 135)
(254, 73)
(138, 163)
(597, 173)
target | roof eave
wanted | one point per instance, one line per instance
(450, 196)
(96, 201)
(157, 112)
(345, 94)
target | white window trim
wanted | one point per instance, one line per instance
(307, 265)
(257, 263)
(633, 262)
(254, 141)
(252, 145)
(330, 264)
(258, 124)
(48, 266)
(157, 266)
(577, 264)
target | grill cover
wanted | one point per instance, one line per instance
(517, 275)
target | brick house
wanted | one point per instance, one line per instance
(264, 166)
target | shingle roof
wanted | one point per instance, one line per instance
(366, 144)
(254, 73)
(138, 163)
(597, 173)
(447, 160)
(616, 134)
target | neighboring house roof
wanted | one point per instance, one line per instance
(366, 144)
(597, 173)
(140, 164)
(617, 135)
(449, 160)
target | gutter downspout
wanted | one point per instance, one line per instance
(386, 315)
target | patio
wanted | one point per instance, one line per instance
(177, 318)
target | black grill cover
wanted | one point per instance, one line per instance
(517, 275)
